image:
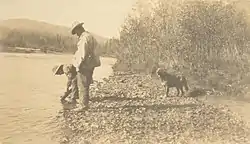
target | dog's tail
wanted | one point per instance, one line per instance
(184, 82)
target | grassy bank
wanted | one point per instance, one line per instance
(208, 41)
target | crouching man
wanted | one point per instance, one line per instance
(71, 90)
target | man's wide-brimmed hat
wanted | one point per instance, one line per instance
(58, 69)
(76, 25)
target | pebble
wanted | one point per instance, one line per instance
(134, 106)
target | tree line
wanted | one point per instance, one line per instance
(48, 42)
(208, 40)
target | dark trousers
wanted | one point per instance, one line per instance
(84, 79)
(72, 89)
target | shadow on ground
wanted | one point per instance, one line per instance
(67, 106)
(149, 107)
(197, 92)
(114, 98)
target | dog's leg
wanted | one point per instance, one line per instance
(167, 90)
(178, 91)
(182, 91)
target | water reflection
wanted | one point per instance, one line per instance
(30, 97)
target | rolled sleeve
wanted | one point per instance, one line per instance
(80, 54)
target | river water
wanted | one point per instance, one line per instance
(29, 96)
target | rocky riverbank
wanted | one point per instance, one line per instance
(132, 108)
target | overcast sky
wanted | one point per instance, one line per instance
(102, 17)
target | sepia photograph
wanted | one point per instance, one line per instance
(125, 72)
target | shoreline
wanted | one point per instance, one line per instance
(40, 90)
(46, 54)
(50, 53)
(132, 108)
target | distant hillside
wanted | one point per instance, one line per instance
(38, 27)
(24, 35)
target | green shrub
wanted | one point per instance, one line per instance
(207, 40)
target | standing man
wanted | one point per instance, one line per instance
(85, 59)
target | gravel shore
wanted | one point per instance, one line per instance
(132, 108)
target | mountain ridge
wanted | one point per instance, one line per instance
(36, 26)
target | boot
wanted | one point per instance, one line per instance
(85, 103)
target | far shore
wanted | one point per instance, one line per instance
(50, 53)
(24, 50)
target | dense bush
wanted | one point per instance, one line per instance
(110, 46)
(207, 40)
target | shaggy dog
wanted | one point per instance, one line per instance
(169, 81)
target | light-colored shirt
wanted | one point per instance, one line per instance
(86, 45)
